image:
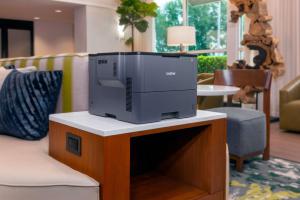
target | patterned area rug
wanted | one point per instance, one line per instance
(275, 179)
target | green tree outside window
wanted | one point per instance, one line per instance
(210, 21)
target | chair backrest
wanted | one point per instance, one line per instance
(261, 79)
(244, 77)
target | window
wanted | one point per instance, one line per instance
(170, 13)
(209, 17)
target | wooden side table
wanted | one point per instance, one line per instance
(178, 159)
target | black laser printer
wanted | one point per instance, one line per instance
(140, 87)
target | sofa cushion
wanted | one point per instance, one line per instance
(49, 193)
(26, 100)
(246, 130)
(27, 172)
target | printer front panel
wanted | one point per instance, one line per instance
(163, 73)
(156, 106)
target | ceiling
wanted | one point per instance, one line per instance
(98, 3)
(44, 9)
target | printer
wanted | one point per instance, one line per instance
(142, 87)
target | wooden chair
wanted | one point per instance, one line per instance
(249, 77)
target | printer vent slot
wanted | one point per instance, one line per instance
(115, 69)
(129, 94)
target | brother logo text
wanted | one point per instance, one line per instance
(170, 73)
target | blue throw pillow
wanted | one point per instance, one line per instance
(26, 100)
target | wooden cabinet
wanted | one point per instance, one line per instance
(180, 162)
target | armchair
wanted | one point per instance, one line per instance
(290, 106)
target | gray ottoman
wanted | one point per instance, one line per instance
(246, 132)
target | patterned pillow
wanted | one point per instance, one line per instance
(26, 100)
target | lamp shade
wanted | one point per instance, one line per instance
(181, 35)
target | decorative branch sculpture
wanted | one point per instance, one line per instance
(258, 38)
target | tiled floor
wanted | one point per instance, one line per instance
(285, 145)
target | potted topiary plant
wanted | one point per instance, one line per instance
(132, 14)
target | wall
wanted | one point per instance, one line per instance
(53, 37)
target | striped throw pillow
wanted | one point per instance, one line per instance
(26, 100)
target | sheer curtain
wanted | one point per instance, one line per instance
(286, 26)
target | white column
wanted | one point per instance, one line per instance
(80, 29)
(146, 41)
(102, 30)
(96, 30)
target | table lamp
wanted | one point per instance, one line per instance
(181, 36)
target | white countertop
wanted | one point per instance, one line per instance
(104, 126)
(216, 90)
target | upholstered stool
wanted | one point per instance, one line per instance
(246, 133)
